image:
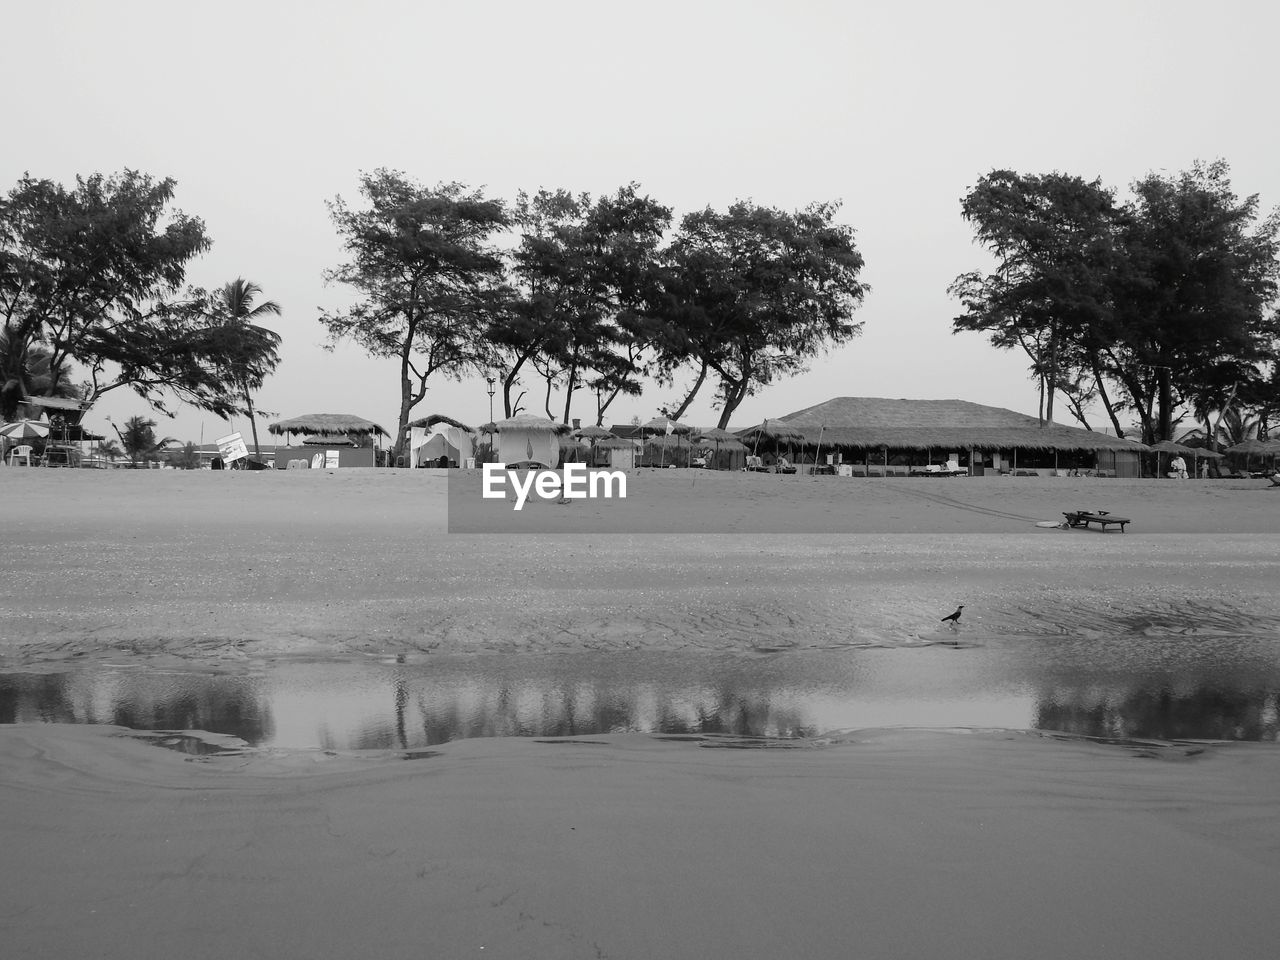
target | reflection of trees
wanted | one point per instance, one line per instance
(566, 707)
(423, 710)
(43, 697)
(225, 705)
(1207, 712)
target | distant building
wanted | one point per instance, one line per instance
(877, 435)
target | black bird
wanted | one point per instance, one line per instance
(955, 617)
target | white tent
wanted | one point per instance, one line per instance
(442, 439)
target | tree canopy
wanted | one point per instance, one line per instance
(94, 275)
(1165, 302)
(427, 276)
(754, 293)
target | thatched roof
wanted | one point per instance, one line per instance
(627, 430)
(527, 421)
(714, 433)
(1254, 445)
(1170, 446)
(327, 425)
(660, 425)
(772, 430)
(435, 418)
(616, 443)
(592, 432)
(902, 424)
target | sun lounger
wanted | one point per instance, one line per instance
(1082, 518)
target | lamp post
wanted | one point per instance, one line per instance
(491, 380)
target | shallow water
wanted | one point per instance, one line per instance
(1150, 684)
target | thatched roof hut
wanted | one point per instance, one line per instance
(328, 425)
(878, 422)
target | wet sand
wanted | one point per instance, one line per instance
(878, 844)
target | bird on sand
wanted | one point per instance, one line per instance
(955, 617)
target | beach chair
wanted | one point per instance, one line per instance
(22, 453)
(1103, 518)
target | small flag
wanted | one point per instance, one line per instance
(671, 428)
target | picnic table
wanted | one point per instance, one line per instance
(1082, 518)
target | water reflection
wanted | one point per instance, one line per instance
(1182, 688)
(1208, 712)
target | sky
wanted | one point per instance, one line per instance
(262, 111)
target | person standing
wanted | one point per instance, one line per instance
(1178, 467)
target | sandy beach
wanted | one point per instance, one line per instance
(867, 843)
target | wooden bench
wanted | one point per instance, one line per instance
(1082, 518)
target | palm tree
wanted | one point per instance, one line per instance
(109, 449)
(27, 372)
(139, 438)
(234, 306)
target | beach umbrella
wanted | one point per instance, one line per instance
(25, 429)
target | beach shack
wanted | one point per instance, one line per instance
(616, 453)
(329, 440)
(880, 436)
(440, 441)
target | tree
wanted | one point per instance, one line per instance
(1193, 311)
(582, 270)
(1053, 237)
(138, 438)
(95, 274)
(185, 458)
(1166, 298)
(427, 277)
(250, 348)
(753, 293)
(30, 375)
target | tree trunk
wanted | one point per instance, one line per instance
(568, 391)
(1165, 378)
(547, 403)
(253, 423)
(1052, 378)
(1102, 394)
(732, 399)
(406, 404)
(697, 385)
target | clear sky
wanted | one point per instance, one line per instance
(263, 110)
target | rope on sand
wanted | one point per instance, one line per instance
(945, 501)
